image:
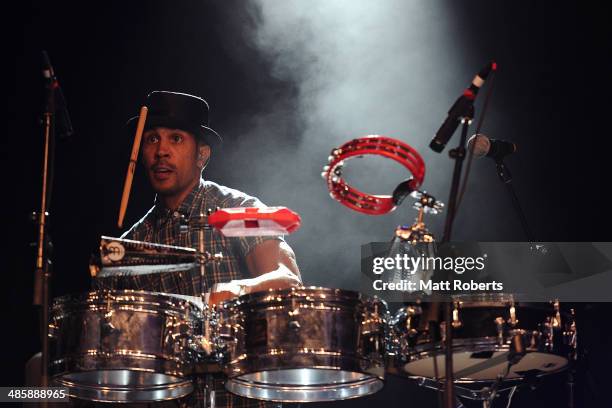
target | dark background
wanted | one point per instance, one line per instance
(551, 100)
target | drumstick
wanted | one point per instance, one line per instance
(132, 166)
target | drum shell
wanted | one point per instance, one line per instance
(303, 328)
(481, 328)
(142, 332)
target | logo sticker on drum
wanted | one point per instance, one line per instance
(114, 251)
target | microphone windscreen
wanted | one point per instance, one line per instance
(479, 145)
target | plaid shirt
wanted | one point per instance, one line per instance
(163, 226)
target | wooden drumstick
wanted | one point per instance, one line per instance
(127, 187)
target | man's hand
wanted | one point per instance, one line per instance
(221, 292)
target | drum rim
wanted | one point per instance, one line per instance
(486, 297)
(170, 391)
(302, 292)
(472, 344)
(166, 301)
(545, 307)
(321, 393)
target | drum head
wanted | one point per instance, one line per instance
(486, 366)
(485, 333)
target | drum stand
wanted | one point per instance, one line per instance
(209, 391)
(201, 225)
(571, 383)
(486, 395)
(202, 250)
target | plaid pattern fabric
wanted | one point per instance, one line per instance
(163, 226)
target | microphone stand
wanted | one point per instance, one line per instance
(42, 276)
(457, 154)
(506, 177)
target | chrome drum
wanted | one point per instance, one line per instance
(303, 344)
(537, 338)
(124, 345)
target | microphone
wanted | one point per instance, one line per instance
(58, 104)
(460, 108)
(481, 145)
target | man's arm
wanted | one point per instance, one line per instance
(272, 265)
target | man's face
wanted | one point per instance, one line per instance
(173, 160)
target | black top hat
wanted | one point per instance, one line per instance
(179, 111)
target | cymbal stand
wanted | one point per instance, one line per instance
(418, 232)
(485, 394)
(416, 237)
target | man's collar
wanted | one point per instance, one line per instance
(186, 206)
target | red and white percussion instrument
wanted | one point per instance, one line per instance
(376, 145)
(254, 221)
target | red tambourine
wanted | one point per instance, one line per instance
(254, 221)
(377, 145)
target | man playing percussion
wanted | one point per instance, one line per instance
(176, 147)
